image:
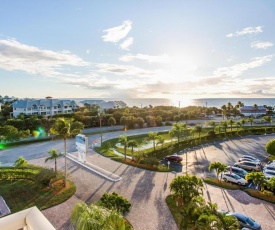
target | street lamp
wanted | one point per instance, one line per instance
(100, 127)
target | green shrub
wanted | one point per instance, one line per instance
(268, 193)
(44, 177)
(114, 201)
(151, 161)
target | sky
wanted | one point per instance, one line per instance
(137, 49)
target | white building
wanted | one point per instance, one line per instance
(253, 112)
(46, 107)
(105, 104)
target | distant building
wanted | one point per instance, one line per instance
(253, 112)
(46, 107)
(105, 104)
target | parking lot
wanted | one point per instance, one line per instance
(147, 190)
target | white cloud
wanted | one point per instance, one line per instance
(238, 69)
(123, 70)
(247, 30)
(261, 45)
(127, 43)
(115, 34)
(148, 58)
(32, 60)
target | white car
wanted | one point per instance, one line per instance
(234, 178)
(249, 158)
(269, 173)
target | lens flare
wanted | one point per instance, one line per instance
(2, 146)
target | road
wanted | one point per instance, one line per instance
(147, 190)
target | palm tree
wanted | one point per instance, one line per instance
(257, 177)
(132, 144)
(238, 125)
(186, 187)
(224, 108)
(123, 141)
(53, 156)
(218, 167)
(243, 122)
(66, 128)
(198, 129)
(152, 136)
(251, 120)
(94, 217)
(177, 130)
(212, 124)
(160, 141)
(224, 125)
(255, 107)
(231, 122)
(21, 162)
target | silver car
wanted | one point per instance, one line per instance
(234, 178)
(248, 165)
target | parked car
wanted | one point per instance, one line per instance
(269, 167)
(248, 158)
(173, 158)
(245, 221)
(247, 165)
(234, 178)
(239, 171)
(269, 173)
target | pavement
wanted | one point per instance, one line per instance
(147, 190)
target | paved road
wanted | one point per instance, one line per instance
(147, 190)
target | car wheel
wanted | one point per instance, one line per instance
(239, 183)
(225, 179)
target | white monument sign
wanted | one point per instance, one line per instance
(81, 142)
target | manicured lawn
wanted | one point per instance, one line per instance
(22, 194)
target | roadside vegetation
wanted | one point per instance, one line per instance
(24, 186)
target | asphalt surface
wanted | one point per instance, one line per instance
(147, 190)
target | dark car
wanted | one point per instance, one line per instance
(239, 171)
(173, 158)
(245, 221)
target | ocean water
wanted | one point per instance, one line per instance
(206, 102)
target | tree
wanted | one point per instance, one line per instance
(251, 120)
(122, 121)
(9, 133)
(53, 156)
(270, 147)
(140, 122)
(93, 217)
(123, 141)
(159, 121)
(152, 136)
(257, 177)
(224, 125)
(114, 201)
(186, 187)
(177, 130)
(198, 129)
(111, 121)
(231, 123)
(21, 162)
(66, 128)
(212, 124)
(132, 144)
(255, 107)
(160, 141)
(267, 119)
(243, 122)
(218, 167)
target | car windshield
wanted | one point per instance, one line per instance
(270, 168)
(236, 177)
(250, 221)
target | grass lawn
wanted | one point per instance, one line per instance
(22, 194)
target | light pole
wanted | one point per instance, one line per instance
(99, 114)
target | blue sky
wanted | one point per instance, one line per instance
(137, 49)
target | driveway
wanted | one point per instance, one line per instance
(147, 190)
